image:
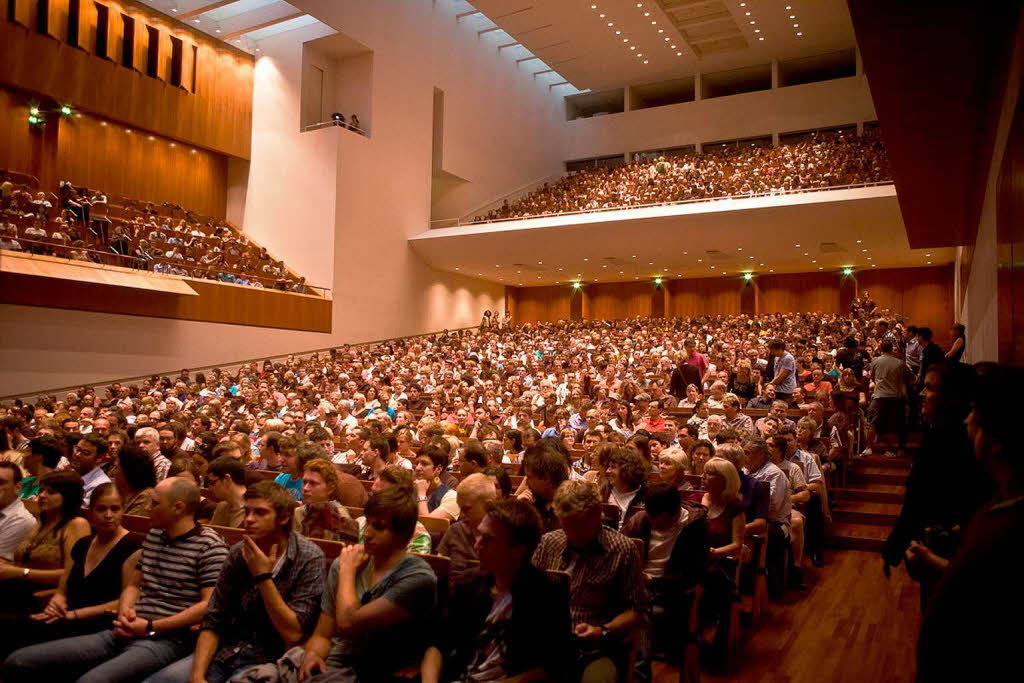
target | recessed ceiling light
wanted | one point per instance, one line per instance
(632, 47)
(647, 14)
(625, 40)
(673, 47)
(792, 16)
(820, 268)
(602, 16)
(788, 7)
(593, 7)
(618, 32)
(796, 25)
(797, 246)
(456, 267)
(864, 250)
(929, 263)
(679, 54)
(873, 265)
(196, 20)
(927, 254)
(859, 241)
(700, 260)
(752, 21)
(799, 33)
(761, 38)
(757, 30)
(869, 258)
(645, 61)
(748, 14)
(654, 23)
(666, 40)
(813, 261)
(661, 30)
(806, 254)
(611, 23)
(217, 30)
(585, 258)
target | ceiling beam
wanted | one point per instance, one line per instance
(545, 71)
(502, 47)
(525, 59)
(488, 30)
(690, 23)
(555, 85)
(714, 37)
(462, 15)
(209, 7)
(264, 24)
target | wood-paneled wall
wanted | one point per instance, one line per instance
(924, 294)
(15, 142)
(218, 115)
(103, 155)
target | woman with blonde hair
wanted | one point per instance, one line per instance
(674, 465)
(726, 527)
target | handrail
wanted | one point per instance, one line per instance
(532, 185)
(223, 366)
(129, 261)
(456, 222)
(328, 124)
(119, 258)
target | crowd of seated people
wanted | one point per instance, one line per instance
(83, 225)
(530, 456)
(825, 160)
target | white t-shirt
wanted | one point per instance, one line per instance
(660, 549)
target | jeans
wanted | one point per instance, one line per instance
(181, 670)
(96, 658)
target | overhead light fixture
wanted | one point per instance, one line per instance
(799, 33)
(632, 47)
(748, 276)
(657, 280)
(645, 61)
(618, 32)
(65, 110)
(847, 271)
(34, 111)
(679, 54)
(761, 38)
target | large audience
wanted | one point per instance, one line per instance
(825, 160)
(586, 481)
(83, 225)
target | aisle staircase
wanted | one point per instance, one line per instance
(869, 503)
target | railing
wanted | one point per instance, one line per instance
(514, 194)
(226, 367)
(456, 222)
(101, 259)
(341, 124)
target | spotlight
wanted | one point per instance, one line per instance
(657, 281)
(65, 110)
(33, 119)
(847, 271)
(748, 276)
(575, 285)
(34, 111)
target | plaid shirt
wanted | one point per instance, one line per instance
(236, 612)
(606, 579)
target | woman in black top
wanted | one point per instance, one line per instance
(959, 345)
(88, 593)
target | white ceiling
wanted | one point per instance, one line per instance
(574, 39)
(690, 241)
(240, 23)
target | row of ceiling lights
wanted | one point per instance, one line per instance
(633, 48)
(751, 20)
(238, 41)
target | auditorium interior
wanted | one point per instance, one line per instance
(736, 279)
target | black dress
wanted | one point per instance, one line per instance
(101, 585)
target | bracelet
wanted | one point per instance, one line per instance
(260, 578)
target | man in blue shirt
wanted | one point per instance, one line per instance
(784, 379)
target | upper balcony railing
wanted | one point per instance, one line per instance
(457, 222)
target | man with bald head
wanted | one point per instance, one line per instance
(165, 596)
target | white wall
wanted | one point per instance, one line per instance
(794, 108)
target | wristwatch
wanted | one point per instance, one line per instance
(604, 631)
(150, 631)
(24, 572)
(421, 499)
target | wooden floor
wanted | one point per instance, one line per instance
(852, 624)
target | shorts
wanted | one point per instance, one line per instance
(887, 415)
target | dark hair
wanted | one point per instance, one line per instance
(226, 466)
(437, 453)
(47, 447)
(516, 437)
(395, 506)
(180, 464)
(885, 346)
(473, 451)
(502, 479)
(272, 441)
(380, 444)
(136, 467)
(97, 440)
(176, 428)
(632, 467)
(662, 498)
(102, 490)
(547, 463)
(307, 451)
(776, 345)
(15, 470)
(226, 447)
(68, 484)
(278, 497)
(925, 333)
(703, 442)
(318, 433)
(521, 522)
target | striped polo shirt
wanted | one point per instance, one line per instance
(175, 569)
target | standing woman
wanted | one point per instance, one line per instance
(956, 350)
(42, 558)
(90, 586)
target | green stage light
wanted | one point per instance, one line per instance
(33, 119)
(65, 110)
(847, 271)
(657, 280)
(575, 285)
(748, 276)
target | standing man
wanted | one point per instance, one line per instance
(784, 371)
(887, 412)
(177, 571)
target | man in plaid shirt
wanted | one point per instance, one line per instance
(606, 588)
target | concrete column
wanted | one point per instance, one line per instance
(775, 139)
(627, 97)
(775, 74)
(860, 128)
(629, 157)
(859, 61)
(700, 147)
(698, 87)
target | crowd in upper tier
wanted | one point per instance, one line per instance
(84, 225)
(822, 161)
(613, 429)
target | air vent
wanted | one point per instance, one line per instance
(830, 248)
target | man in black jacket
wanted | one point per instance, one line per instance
(508, 617)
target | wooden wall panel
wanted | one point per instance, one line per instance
(924, 294)
(218, 116)
(541, 304)
(798, 292)
(610, 300)
(705, 296)
(103, 155)
(15, 142)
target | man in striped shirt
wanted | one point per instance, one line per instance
(166, 594)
